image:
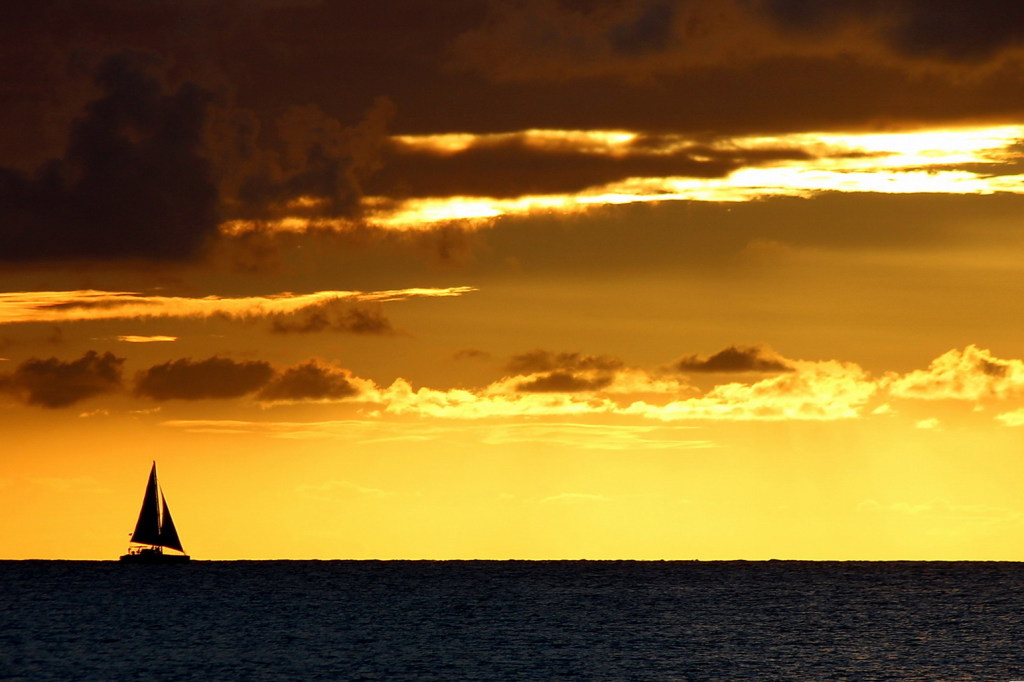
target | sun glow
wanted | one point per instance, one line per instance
(957, 161)
(588, 141)
(903, 149)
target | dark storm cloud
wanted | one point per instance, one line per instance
(216, 377)
(537, 40)
(333, 316)
(262, 110)
(735, 359)
(808, 16)
(546, 361)
(55, 383)
(512, 167)
(949, 31)
(310, 165)
(132, 183)
(745, 65)
(773, 94)
(701, 65)
(309, 381)
(150, 170)
(650, 30)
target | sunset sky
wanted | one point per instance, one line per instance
(639, 279)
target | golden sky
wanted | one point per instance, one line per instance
(640, 279)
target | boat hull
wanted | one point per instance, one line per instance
(152, 556)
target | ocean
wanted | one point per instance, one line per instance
(512, 620)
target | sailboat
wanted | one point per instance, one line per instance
(154, 530)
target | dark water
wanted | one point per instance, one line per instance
(365, 620)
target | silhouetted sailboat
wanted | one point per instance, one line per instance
(155, 529)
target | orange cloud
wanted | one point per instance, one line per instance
(545, 361)
(215, 377)
(969, 374)
(332, 316)
(54, 383)
(563, 385)
(89, 304)
(223, 378)
(813, 391)
(400, 398)
(1014, 418)
(146, 339)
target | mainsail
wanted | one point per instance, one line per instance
(155, 526)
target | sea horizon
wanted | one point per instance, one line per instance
(558, 560)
